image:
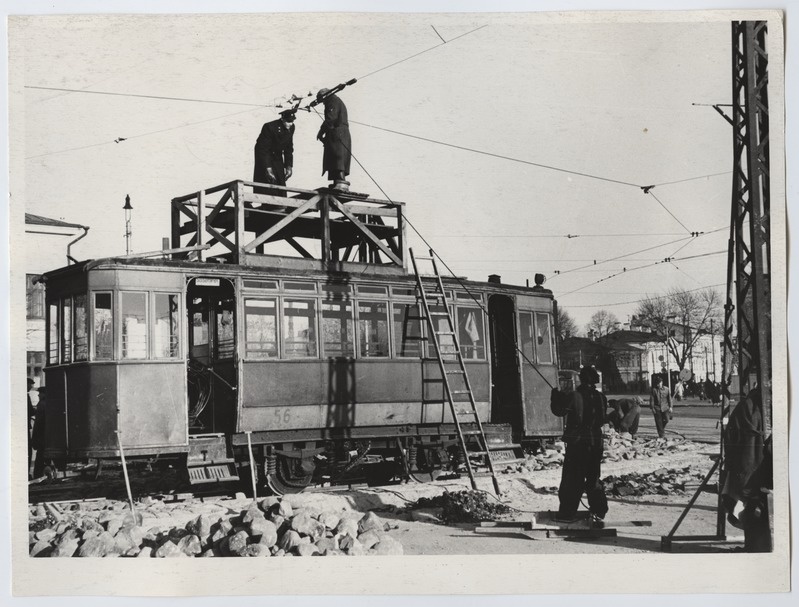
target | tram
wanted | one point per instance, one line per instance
(241, 361)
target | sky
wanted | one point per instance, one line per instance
(608, 106)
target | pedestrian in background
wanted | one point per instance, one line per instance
(660, 403)
(584, 410)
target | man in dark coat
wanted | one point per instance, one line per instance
(274, 153)
(660, 403)
(748, 473)
(585, 415)
(335, 135)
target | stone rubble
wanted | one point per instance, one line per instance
(663, 481)
(267, 527)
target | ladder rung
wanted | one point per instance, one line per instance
(459, 392)
(503, 446)
(425, 258)
(445, 333)
(474, 453)
(455, 371)
(437, 314)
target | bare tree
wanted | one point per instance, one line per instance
(683, 315)
(565, 325)
(602, 323)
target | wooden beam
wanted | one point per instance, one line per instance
(324, 211)
(281, 224)
(175, 226)
(369, 234)
(200, 223)
(299, 248)
(239, 207)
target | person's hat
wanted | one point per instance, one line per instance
(589, 375)
(289, 115)
(322, 93)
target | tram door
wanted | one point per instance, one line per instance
(506, 396)
(212, 374)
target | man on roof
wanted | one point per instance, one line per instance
(274, 153)
(335, 136)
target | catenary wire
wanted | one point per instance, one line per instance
(634, 301)
(660, 202)
(139, 96)
(419, 53)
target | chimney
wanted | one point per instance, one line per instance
(495, 278)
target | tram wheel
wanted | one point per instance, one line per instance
(287, 476)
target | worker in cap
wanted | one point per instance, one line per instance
(335, 136)
(274, 153)
(584, 410)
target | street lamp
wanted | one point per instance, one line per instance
(128, 233)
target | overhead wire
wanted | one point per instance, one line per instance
(140, 96)
(634, 301)
(660, 202)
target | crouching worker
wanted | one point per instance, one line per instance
(625, 414)
(584, 410)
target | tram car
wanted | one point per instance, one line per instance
(227, 352)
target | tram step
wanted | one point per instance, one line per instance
(212, 472)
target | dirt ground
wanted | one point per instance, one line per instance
(530, 495)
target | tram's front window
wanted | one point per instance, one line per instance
(103, 327)
(166, 326)
(81, 334)
(133, 312)
(299, 328)
(544, 338)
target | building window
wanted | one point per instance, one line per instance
(103, 327)
(166, 340)
(526, 330)
(299, 328)
(338, 339)
(543, 338)
(260, 328)
(133, 312)
(407, 331)
(471, 335)
(34, 296)
(52, 333)
(373, 328)
(81, 330)
(66, 330)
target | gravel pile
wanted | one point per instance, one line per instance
(663, 481)
(618, 447)
(269, 527)
(462, 507)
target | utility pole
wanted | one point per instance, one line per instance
(128, 231)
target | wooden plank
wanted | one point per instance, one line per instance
(277, 201)
(200, 223)
(239, 206)
(219, 237)
(369, 234)
(324, 208)
(373, 211)
(218, 207)
(255, 184)
(175, 225)
(281, 224)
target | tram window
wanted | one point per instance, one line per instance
(526, 330)
(403, 291)
(225, 338)
(103, 323)
(336, 290)
(66, 330)
(261, 328)
(543, 338)
(372, 289)
(270, 285)
(166, 337)
(460, 295)
(407, 331)
(81, 333)
(471, 334)
(446, 342)
(299, 286)
(133, 312)
(373, 328)
(199, 322)
(299, 328)
(52, 333)
(338, 337)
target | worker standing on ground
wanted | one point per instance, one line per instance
(660, 403)
(585, 415)
(274, 153)
(335, 135)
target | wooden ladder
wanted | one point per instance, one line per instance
(448, 367)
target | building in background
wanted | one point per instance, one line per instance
(47, 244)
